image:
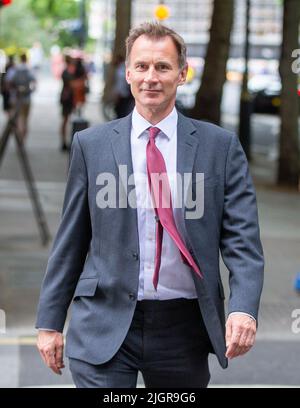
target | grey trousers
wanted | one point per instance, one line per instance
(167, 341)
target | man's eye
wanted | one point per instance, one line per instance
(163, 67)
(140, 66)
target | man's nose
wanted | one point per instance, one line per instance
(151, 75)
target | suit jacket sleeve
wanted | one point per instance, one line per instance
(240, 244)
(70, 246)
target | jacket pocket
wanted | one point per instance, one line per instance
(86, 287)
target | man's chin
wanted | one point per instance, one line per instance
(154, 100)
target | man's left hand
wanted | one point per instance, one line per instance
(240, 334)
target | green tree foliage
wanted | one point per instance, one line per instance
(51, 12)
(18, 27)
(27, 21)
(54, 16)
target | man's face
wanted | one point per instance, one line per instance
(153, 73)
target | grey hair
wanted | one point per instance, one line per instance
(157, 31)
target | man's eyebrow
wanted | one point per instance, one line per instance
(161, 62)
(140, 62)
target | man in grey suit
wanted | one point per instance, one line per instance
(144, 279)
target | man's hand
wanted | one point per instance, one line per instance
(240, 334)
(51, 346)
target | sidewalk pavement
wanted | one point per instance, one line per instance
(23, 259)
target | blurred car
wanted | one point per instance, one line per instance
(266, 92)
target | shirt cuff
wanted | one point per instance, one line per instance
(42, 328)
(242, 313)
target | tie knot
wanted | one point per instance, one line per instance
(153, 132)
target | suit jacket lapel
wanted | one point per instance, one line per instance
(121, 146)
(187, 145)
(120, 140)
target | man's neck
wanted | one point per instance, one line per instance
(154, 116)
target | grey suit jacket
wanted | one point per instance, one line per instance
(95, 256)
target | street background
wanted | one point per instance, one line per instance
(275, 358)
(220, 49)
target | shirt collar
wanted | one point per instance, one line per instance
(168, 125)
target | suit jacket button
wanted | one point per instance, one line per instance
(131, 296)
(135, 256)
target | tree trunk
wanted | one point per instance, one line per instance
(289, 158)
(209, 95)
(123, 24)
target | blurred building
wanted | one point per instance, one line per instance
(191, 18)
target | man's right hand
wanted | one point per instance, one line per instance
(51, 346)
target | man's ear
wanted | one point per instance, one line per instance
(182, 75)
(128, 75)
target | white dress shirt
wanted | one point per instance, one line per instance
(175, 279)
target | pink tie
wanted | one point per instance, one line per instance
(162, 203)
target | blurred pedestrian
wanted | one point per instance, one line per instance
(124, 101)
(79, 85)
(36, 57)
(56, 61)
(66, 99)
(4, 85)
(22, 83)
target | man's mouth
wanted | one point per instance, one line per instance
(151, 90)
